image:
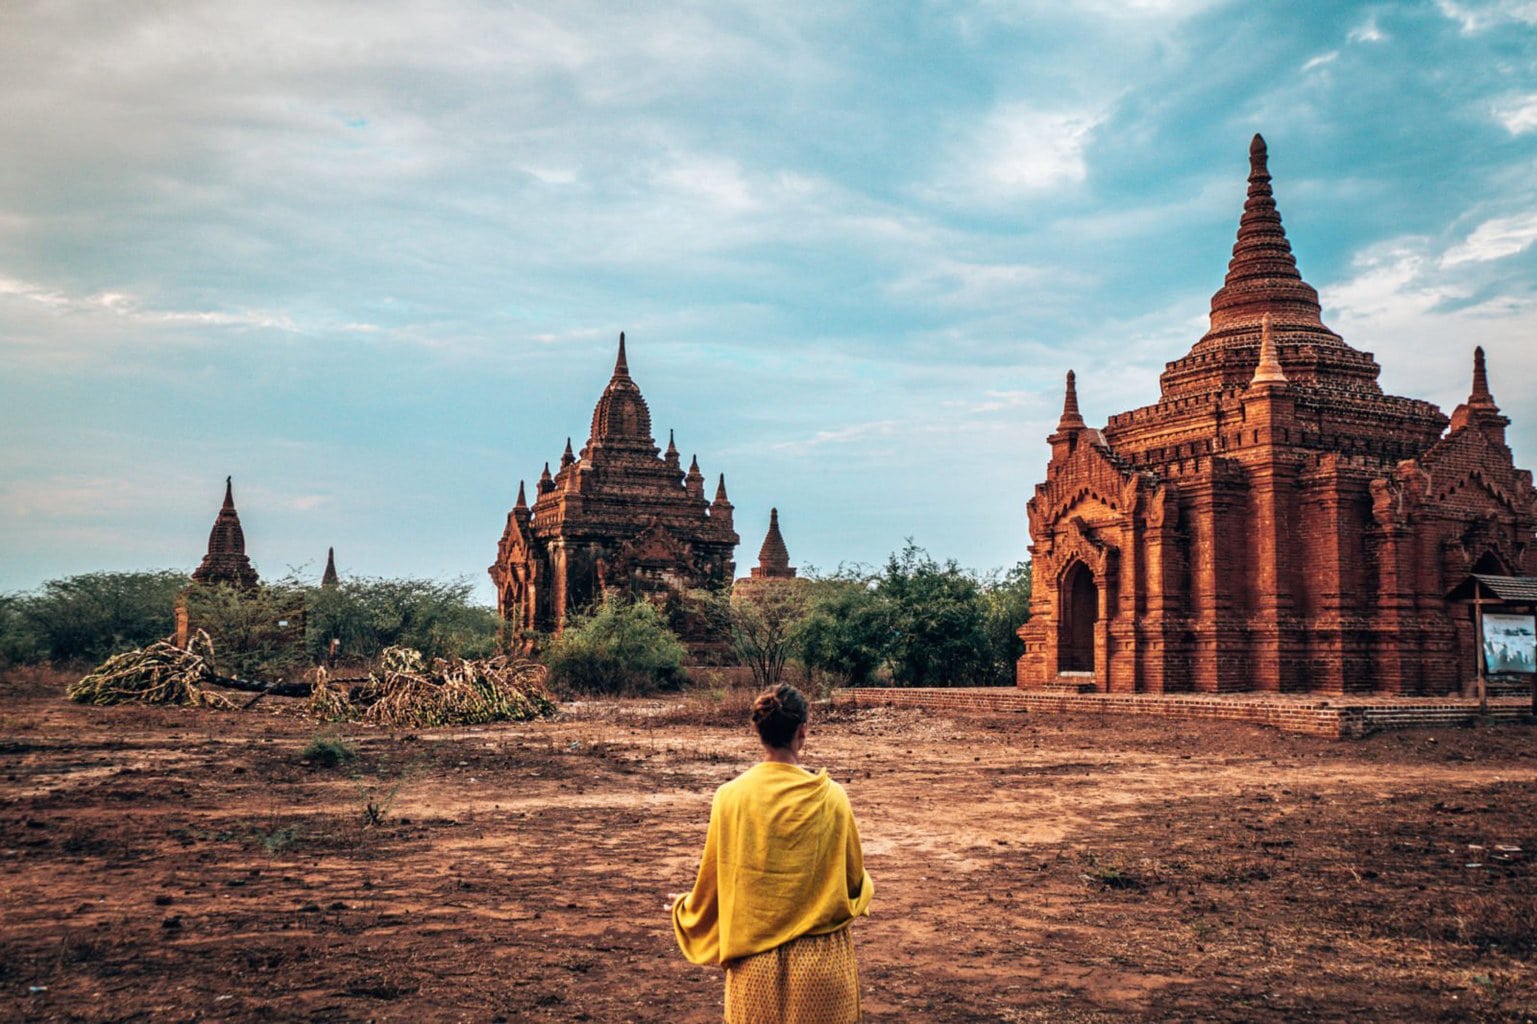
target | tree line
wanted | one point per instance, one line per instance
(916, 621)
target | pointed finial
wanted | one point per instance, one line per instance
(1071, 420)
(329, 577)
(566, 457)
(1259, 157)
(720, 490)
(773, 519)
(672, 448)
(1480, 395)
(523, 501)
(229, 493)
(1269, 369)
(621, 365)
(693, 464)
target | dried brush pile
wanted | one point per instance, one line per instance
(406, 692)
(161, 673)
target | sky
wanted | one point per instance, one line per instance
(372, 258)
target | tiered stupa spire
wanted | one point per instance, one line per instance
(773, 556)
(621, 420)
(1263, 281)
(330, 578)
(226, 560)
(1480, 409)
(1071, 418)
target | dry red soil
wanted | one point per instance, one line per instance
(182, 865)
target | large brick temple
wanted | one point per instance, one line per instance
(1274, 522)
(620, 518)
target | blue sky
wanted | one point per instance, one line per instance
(373, 258)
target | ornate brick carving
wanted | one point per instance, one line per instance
(1274, 521)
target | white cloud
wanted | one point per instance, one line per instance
(1518, 113)
(1495, 239)
(1321, 60)
(1474, 16)
(1366, 32)
(1022, 149)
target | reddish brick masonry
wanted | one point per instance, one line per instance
(1336, 719)
(1274, 522)
(619, 517)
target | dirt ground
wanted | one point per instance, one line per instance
(192, 865)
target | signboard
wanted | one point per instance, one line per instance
(1510, 643)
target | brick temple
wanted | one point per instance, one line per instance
(1274, 522)
(620, 518)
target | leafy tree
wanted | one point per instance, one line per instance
(1006, 600)
(367, 615)
(257, 633)
(89, 617)
(620, 648)
(845, 631)
(765, 620)
(937, 619)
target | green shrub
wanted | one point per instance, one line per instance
(328, 751)
(619, 649)
(89, 617)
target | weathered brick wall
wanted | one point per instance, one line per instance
(1314, 718)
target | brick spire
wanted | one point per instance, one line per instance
(1479, 410)
(1263, 280)
(546, 482)
(1269, 369)
(566, 457)
(773, 556)
(721, 508)
(226, 560)
(330, 578)
(694, 481)
(622, 419)
(1071, 419)
(1262, 275)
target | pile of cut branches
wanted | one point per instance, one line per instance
(407, 692)
(161, 673)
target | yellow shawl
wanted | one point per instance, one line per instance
(781, 860)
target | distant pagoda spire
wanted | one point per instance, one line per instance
(671, 455)
(226, 560)
(329, 579)
(621, 365)
(773, 556)
(1269, 369)
(1071, 418)
(721, 507)
(621, 420)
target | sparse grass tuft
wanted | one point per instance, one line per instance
(328, 751)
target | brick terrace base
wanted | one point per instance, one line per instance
(1336, 718)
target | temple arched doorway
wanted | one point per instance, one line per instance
(1490, 565)
(1079, 605)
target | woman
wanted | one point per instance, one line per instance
(781, 878)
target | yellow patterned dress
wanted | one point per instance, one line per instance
(781, 877)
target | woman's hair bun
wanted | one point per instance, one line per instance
(778, 713)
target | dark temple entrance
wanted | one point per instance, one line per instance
(1079, 610)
